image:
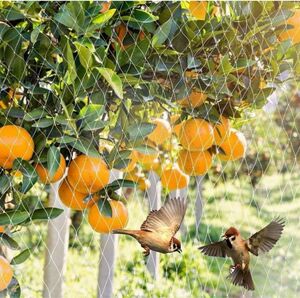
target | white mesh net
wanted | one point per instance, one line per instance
(109, 109)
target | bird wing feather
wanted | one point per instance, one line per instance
(167, 220)
(216, 249)
(265, 239)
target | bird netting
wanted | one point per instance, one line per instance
(109, 110)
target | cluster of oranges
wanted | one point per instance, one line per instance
(198, 139)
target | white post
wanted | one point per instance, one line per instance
(154, 198)
(108, 244)
(56, 248)
(199, 202)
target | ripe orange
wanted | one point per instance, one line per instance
(132, 164)
(6, 273)
(293, 33)
(195, 99)
(88, 174)
(15, 142)
(221, 130)
(144, 184)
(175, 127)
(6, 163)
(234, 146)
(103, 224)
(105, 6)
(72, 198)
(145, 158)
(198, 9)
(196, 134)
(152, 166)
(194, 163)
(161, 132)
(173, 178)
(2, 229)
(44, 174)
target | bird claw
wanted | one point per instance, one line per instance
(146, 251)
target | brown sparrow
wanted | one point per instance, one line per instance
(235, 247)
(158, 230)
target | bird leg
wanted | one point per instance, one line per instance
(147, 250)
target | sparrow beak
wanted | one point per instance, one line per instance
(223, 236)
(179, 250)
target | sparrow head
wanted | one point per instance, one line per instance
(231, 233)
(175, 245)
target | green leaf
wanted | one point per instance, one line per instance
(5, 183)
(65, 139)
(71, 15)
(95, 125)
(21, 257)
(140, 16)
(13, 217)
(46, 213)
(119, 183)
(71, 74)
(140, 130)
(120, 163)
(30, 176)
(15, 113)
(91, 114)
(35, 114)
(146, 149)
(225, 65)
(43, 123)
(8, 241)
(86, 147)
(102, 18)
(85, 55)
(53, 160)
(113, 80)
(162, 33)
(104, 207)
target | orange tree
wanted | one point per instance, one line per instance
(79, 76)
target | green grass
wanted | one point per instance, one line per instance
(190, 274)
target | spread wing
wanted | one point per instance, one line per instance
(167, 220)
(264, 240)
(217, 249)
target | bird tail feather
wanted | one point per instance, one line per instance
(131, 233)
(240, 277)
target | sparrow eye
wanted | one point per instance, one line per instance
(233, 238)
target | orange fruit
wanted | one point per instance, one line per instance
(293, 33)
(234, 146)
(44, 174)
(132, 164)
(2, 229)
(3, 105)
(72, 198)
(15, 142)
(196, 134)
(144, 184)
(198, 9)
(88, 174)
(105, 6)
(175, 127)
(221, 130)
(145, 158)
(194, 163)
(173, 178)
(161, 132)
(6, 273)
(152, 166)
(6, 163)
(195, 99)
(103, 224)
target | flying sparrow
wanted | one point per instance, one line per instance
(158, 230)
(235, 247)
